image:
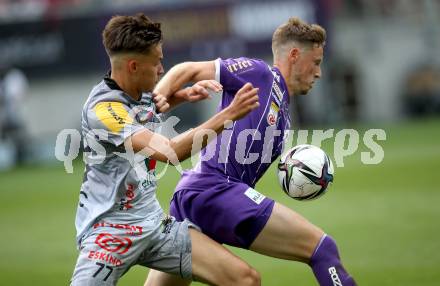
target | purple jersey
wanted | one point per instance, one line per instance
(246, 150)
(218, 195)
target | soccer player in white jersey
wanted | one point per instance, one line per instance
(218, 194)
(119, 221)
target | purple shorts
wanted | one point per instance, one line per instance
(226, 210)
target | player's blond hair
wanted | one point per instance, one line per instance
(296, 31)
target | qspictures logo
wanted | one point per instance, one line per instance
(366, 145)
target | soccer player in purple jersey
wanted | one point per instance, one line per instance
(218, 195)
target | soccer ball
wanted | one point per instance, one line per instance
(305, 172)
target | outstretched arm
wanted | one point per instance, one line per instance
(198, 91)
(177, 149)
(188, 72)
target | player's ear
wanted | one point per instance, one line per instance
(294, 55)
(132, 65)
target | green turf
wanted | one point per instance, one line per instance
(384, 217)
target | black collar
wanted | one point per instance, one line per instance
(111, 83)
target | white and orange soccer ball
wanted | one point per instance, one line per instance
(305, 172)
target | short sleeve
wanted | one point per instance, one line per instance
(233, 73)
(228, 79)
(112, 121)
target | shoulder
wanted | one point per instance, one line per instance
(243, 64)
(236, 71)
(101, 95)
(106, 104)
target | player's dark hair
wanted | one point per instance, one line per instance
(298, 31)
(130, 34)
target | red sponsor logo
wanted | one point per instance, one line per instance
(103, 256)
(113, 243)
(129, 197)
(131, 229)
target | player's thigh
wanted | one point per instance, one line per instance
(287, 235)
(158, 278)
(212, 263)
(97, 272)
(104, 257)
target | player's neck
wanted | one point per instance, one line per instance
(285, 71)
(124, 83)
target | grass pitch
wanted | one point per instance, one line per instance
(384, 217)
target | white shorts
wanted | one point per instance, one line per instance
(108, 250)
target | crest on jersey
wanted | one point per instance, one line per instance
(272, 116)
(144, 113)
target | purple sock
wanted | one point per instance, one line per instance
(327, 266)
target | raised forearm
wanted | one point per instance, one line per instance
(245, 100)
(182, 74)
(179, 148)
(175, 79)
(178, 97)
(184, 143)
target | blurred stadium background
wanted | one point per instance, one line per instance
(381, 70)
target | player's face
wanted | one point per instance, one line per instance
(307, 69)
(149, 69)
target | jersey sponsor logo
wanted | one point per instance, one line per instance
(166, 224)
(113, 243)
(274, 107)
(104, 256)
(130, 229)
(335, 277)
(272, 116)
(275, 75)
(150, 180)
(125, 203)
(239, 65)
(113, 115)
(254, 196)
(277, 94)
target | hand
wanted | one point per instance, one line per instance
(245, 100)
(161, 102)
(200, 90)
